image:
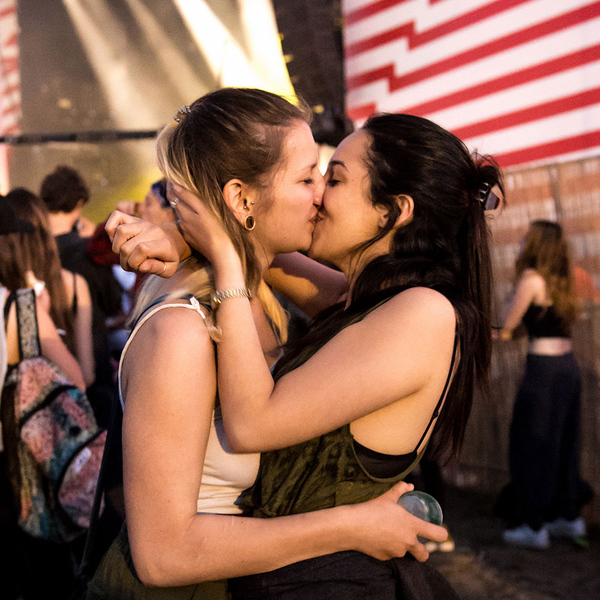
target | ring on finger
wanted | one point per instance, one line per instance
(164, 268)
(175, 202)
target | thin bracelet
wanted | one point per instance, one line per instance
(219, 295)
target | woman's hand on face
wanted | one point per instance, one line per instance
(199, 226)
(143, 247)
(385, 530)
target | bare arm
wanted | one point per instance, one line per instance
(530, 287)
(401, 351)
(165, 432)
(83, 324)
(54, 349)
(310, 285)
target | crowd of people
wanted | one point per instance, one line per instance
(46, 245)
(266, 465)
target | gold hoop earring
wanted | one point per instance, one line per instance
(249, 223)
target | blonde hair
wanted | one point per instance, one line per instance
(233, 133)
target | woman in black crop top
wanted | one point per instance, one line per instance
(546, 492)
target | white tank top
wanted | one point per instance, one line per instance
(225, 475)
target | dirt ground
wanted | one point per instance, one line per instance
(482, 567)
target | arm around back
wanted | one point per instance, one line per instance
(310, 285)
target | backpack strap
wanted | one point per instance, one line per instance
(27, 324)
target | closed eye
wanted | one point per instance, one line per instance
(332, 182)
(308, 181)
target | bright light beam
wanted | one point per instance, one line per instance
(262, 35)
(106, 46)
(181, 77)
(225, 56)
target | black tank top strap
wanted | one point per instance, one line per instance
(438, 406)
(75, 301)
(8, 302)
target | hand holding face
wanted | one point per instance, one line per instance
(143, 247)
(199, 226)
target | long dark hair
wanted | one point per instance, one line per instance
(444, 247)
(35, 250)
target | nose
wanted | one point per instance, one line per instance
(319, 189)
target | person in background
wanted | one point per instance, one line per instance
(31, 568)
(70, 301)
(585, 287)
(546, 493)
(65, 193)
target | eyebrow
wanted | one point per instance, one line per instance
(308, 167)
(334, 163)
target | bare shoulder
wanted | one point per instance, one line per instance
(532, 280)
(420, 303)
(175, 326)
(170, 350)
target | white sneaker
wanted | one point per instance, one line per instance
(561, 528)
(525, 537)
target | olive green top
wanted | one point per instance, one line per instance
(321, 473)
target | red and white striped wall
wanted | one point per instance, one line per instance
(10, 82)
(519, 79)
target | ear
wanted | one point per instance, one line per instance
(407, 207)
(239, 197)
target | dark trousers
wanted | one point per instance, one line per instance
(347, 575)
(544, 441)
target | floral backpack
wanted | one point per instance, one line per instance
(52, 442)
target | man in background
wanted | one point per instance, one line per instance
(65, 193)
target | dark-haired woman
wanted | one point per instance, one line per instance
(402, 217)
(544, 436)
